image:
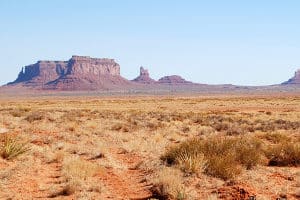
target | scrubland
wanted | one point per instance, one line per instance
(150, 148)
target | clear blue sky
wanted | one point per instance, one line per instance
(254, 42)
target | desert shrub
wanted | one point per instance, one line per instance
(78, 174)
(186, 129)
(191, 163)
(16, 113)
(235, 129)
(275, 137)
(268, 113)
(12, 148)
(72, 115)
(76, 168)
(284, 154)
(272, 125)
(220, 126)
(248, 152)
(19, 112)
(35, 116)
(154, 125)
(206, 130)
(236, 126)
(167, 185)
(222, 157)
(122, 127)
(224, 167)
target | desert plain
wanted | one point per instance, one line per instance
(150, 147)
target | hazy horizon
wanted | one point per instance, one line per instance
(215, 42)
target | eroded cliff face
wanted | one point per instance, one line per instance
(87, 66)
(295, 79)
(80, 72)
(41, 73)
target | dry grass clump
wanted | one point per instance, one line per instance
(136, 123)
(19, 112)
(122, 127)
(220, 157)
(191, 162)
(11, 148)
(248, 151)
(275, 137)
(72, 115)
(275, 124)
(16, 113)
(286, 153)
(78, 173)
(223, 122)
(168, 185)
(54, 157)
(35, 116)
(237, 129)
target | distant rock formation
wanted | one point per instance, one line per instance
(79, 73)
(173, 80)
(41, 73)
(295, 79)
(85, 73)
(144, 77)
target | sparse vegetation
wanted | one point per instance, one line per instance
(222, 155)
(11, 148)
(19, 112)
(35, 116)
(94, 148)
(168, 185)
(79, 173)
(284, 154)
(276, 137)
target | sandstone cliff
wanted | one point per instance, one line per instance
(78, 73)
(86, 66)
(41, 73)
(295, 79)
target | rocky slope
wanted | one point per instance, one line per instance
(295, 79)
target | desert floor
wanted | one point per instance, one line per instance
(218, 147)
